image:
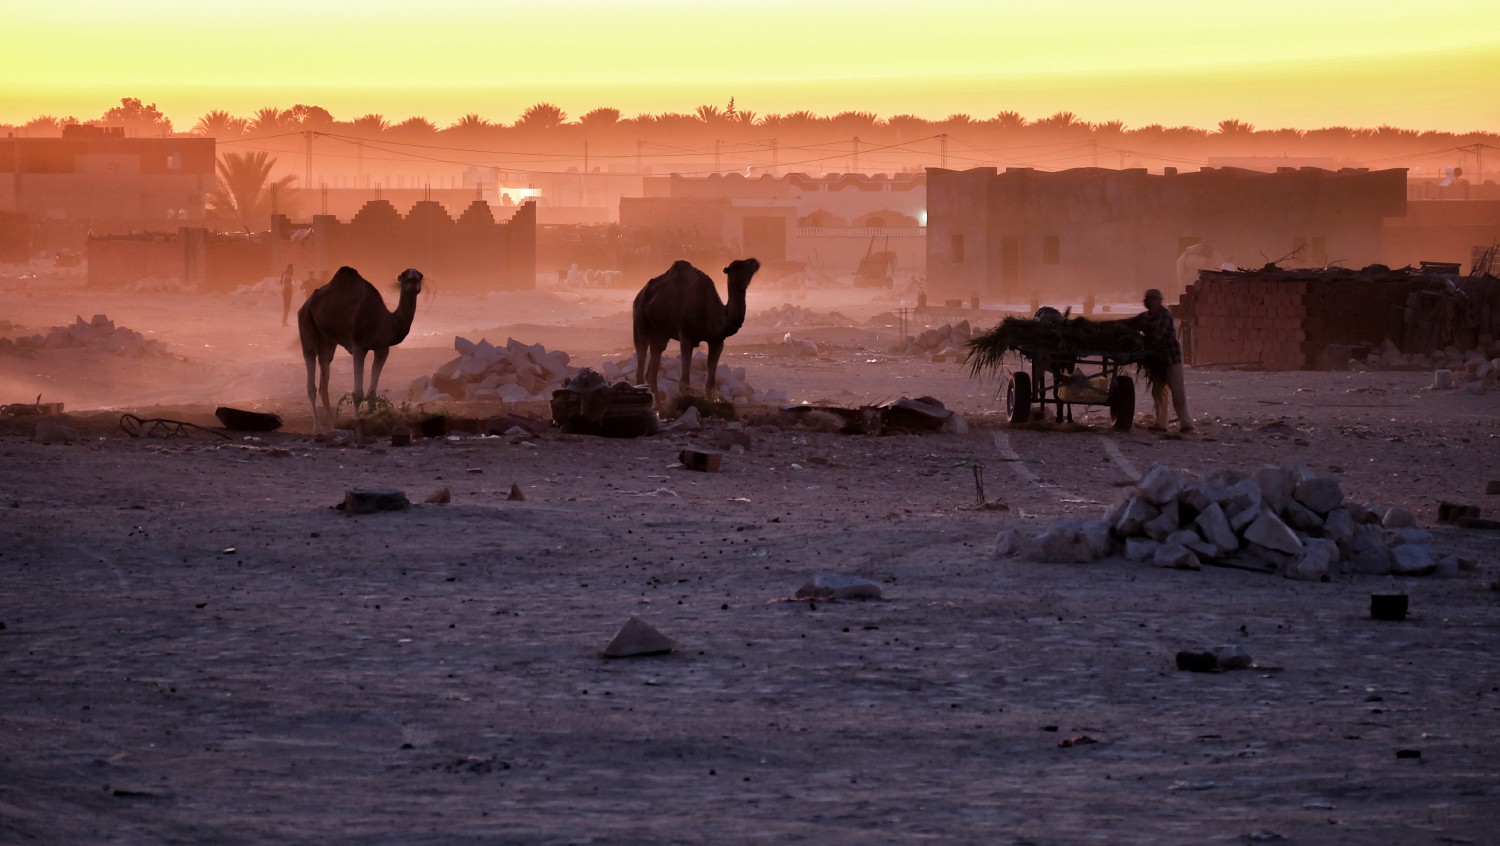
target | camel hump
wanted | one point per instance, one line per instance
(346, 274)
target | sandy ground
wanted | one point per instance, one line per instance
(197, 648)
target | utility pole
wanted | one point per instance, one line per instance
(943, 150)
(717, 144)
(775, 157)
(640, 169)
(1094, 148)
(307, 178)
(583, 192)
(1478, 151)
(854, 161)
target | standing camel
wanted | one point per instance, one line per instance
(348, 312)
(683, 305)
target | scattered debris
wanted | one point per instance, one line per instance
(1218, 660)
(731, 382)
(1076, 740)
(401, 436)
(1388, 606)
(48, 432)
(515, 494)
(442, 497)
(587, 404)
(702, 460)
(36, 409)
(944, 343)
(161, 427)
(834, 586)
(371, 500)
(247, 421)
(637, 638)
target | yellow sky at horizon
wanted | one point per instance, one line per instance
(1305, 65)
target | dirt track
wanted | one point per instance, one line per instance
(431, 676)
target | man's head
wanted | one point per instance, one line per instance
(1153, 299)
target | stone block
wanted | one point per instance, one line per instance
(1076, 540)
(371, 500)
(1276, 486)
(1216, 529)
(1175, 557)
(1240, 496)
(1136, 515)
(1321, 495)
(637, 638)
(1300, 517)
(1318, 560)
(1164, 523)
(837, 586)
(704, 461)
(1412, 560)
(1196, 496)
(1268, 531)
(1398, 518)
(1338, 526)
(1160, 485)
(1140, 549)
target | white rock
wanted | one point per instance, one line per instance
(1448, 566)
(513, 393)
(1276, 486)
(1399, 518)
(1007, 543)
(1163, 524)
(1160, 484)
(1195, 496)
(1075, 540)
(1241, 496)
(1412, 560)
(690, 421)
(1321, 494)
(1140, 549)
(1194, 543)
(1176, 557)
(1300, 517)
(1270, 532)
(464, 346)
(1442, 379)
(1241, 520)
(1367, 553)
(1137, 514)
(840, 587)
(1216, 528)
(956, 425)
(1319, 556)
(1339, 526)
(1404, 537)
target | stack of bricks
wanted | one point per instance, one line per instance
(1359, 312)
(1247, 321)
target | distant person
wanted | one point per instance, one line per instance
(309, 285)
(1164, 357)
(286, 294)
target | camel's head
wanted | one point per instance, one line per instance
(410, 279)
(740, 271)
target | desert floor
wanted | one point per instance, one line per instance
(198, 648)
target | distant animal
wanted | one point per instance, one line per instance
(683, 305)
(348, 312)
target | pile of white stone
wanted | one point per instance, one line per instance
(161, 285)
(787, 316)
(944, 342)
(99, 335)
(732, 383)
(1285, 519)
(482, 371)
(1475, 370)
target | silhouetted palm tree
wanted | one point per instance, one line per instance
(1236, 128)
(369, 126)
(542, 116)
(137, 118)
(1009, 121)
(308, 117)
(600, 119)
(220, 124)
(244, 194)
(415, 129)
(266, 121)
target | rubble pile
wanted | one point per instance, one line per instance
(788, 316)
(483, 371)
(162, 285)
(1465, 367)
(1289, 520)
(97, 335)
(944, 342)
(732, 383)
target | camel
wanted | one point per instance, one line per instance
(348, 312)
(683, 305)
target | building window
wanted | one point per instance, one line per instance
(1051, 249)
(174, 161)
(956, 248)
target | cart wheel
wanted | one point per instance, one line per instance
(1018, 397)
(1122, 403)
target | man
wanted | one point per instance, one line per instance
(286, 294)
(1160, 332)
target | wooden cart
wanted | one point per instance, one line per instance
(1066, 377)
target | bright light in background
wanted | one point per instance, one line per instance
(1433, 65)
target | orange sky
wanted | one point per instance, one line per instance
(1433, 65)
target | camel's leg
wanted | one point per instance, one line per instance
(653, 369)
(325, 361)
(685, 385)
(715, 349)
(359, 354)
(376, 364)
(311, 357)
(640, 362)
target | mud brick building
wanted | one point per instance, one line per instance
(473, 253)
(1274, 319)
(1024, 234)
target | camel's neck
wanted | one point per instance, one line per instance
(734, 311)
(402, 317)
